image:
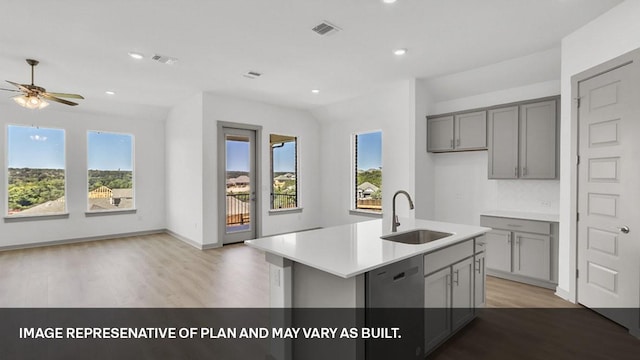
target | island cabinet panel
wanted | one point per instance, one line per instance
(440, 134)
(449, 291)
(437, 303)
(462, 293)
(480, 296)
(522, 250)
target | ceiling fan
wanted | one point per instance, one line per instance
(33, 97)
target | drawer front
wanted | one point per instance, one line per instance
(446, 257)
(532, 226)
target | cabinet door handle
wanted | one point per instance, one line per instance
(458, 142)
(456, 281)
(509, 239)
(452, 143)
(479, 266)
(516, 172)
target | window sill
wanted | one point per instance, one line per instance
(21, 218)
(285, 211)
(373, 214)
(109, 212)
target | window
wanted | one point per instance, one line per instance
(110, 165)
(36, 171)
(284, 174)
(368, 171)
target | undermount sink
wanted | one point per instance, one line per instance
(420, 236)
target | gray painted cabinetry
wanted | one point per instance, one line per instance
(454, 286)
(459, 132)
(522, 250)
(523, 141)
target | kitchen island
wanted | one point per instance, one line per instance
(349, 266)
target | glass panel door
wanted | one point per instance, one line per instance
(240, 191)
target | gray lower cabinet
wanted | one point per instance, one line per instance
(452, 293)
(523, 141)
(522, 250)
(459, 132)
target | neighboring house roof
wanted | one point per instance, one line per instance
(282, 178)
(231, 181)
(368, 186)
(122, 193)
(105, 204)
(242, 179)
(49, 207)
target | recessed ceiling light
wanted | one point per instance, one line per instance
(136, 55)
(315, 91)
(388, 1)
(109, 92)
(400, 51)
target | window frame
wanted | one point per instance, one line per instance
(5, 202)
(133, 208)
(296, 157)
(353, 199)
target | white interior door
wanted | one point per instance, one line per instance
(238, 171)
(609, 192)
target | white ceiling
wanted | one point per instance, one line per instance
(82, 45)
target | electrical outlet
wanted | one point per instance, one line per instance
(545, 203)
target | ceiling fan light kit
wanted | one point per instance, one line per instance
(33, 97)
(30, 102)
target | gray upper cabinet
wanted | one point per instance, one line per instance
(503, 143)
(471, 131)
(440, 134)
(458, 132)
(538, 140)
(523, 141)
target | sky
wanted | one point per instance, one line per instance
(109, 151)
(37, 148)
(284, 158)
(369, 150)
(237, 155)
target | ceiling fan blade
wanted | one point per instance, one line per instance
(14, 90)
(63, 95)
(62, 101)
(19, 86)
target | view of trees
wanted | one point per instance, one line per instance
(113, 179)
(30, 187)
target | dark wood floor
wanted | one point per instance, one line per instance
(520, 322)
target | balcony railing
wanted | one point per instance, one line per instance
(238, 209)
(284, 201)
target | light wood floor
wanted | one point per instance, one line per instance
(161, 271)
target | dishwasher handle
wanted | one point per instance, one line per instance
(405, 274)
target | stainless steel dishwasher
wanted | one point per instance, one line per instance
(395, 299)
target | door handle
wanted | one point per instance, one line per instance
(479, 266)
(624, 229)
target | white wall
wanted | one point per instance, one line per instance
(462, 189)
(390, 109)
(610, 35)
(183, 154)
(424, 162)
(273, 120)
(149, 177)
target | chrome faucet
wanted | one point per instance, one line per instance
(394, 221)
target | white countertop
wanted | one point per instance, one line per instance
(354, 249)
(523, 215)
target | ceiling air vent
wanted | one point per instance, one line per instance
(164, 59)
(252, 75)
(325, 28)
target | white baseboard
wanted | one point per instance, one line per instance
(562, 293)
(79, 240)
(184, 239)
